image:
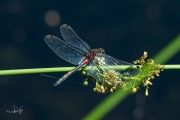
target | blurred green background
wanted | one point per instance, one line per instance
(125, 29)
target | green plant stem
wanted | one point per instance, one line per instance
(62, 69)
(34, 70)
(169, 51)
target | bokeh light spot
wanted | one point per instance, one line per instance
(52, 18)
(15, 6)
(153, 12)
(137, 113)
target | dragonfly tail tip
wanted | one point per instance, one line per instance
(56, 84)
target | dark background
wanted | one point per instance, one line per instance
(124, 28)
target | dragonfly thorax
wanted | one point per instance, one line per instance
(92, 53)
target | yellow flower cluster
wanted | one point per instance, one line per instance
(110, 79)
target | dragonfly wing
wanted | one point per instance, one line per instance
(64, 51)
(109, 60)
(73, 39)
(102, 63)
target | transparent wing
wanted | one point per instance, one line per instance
(64, 51)
(102, 63)
(73, 39)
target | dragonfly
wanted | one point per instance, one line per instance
(77, 52)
